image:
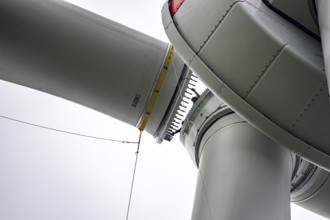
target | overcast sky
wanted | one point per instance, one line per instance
(47, 175)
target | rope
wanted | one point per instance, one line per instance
(132, 185)
(67, 132)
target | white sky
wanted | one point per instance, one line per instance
(47, 175)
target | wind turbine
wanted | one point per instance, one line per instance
(70, 44)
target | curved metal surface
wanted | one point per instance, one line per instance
(206, 111)
(323, 12)
(242, 174)
(313, 193)
(265, 69)
(301, 13)
(58, 48)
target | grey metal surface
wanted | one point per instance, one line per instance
(178, 108)
(266, 69)
(301, 12)
(171, 92)
(61, 49)
(323, 12)
(314, 193)
(58, 48)
(309, 185)
(242, 174)
(206, 110)
(187, 19)
(301, 175)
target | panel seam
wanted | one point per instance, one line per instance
(264, 71)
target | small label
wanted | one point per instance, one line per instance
(136, 100)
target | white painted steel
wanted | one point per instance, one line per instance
(265, 68)
(210, 121)
(58, 48)
(206, 110)
(323, 12)
(314, 195)
(301, 12)
(243, 175)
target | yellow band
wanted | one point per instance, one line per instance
(156, 90)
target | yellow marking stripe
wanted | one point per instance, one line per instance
(156, 90)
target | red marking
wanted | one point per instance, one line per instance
(175, 5)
